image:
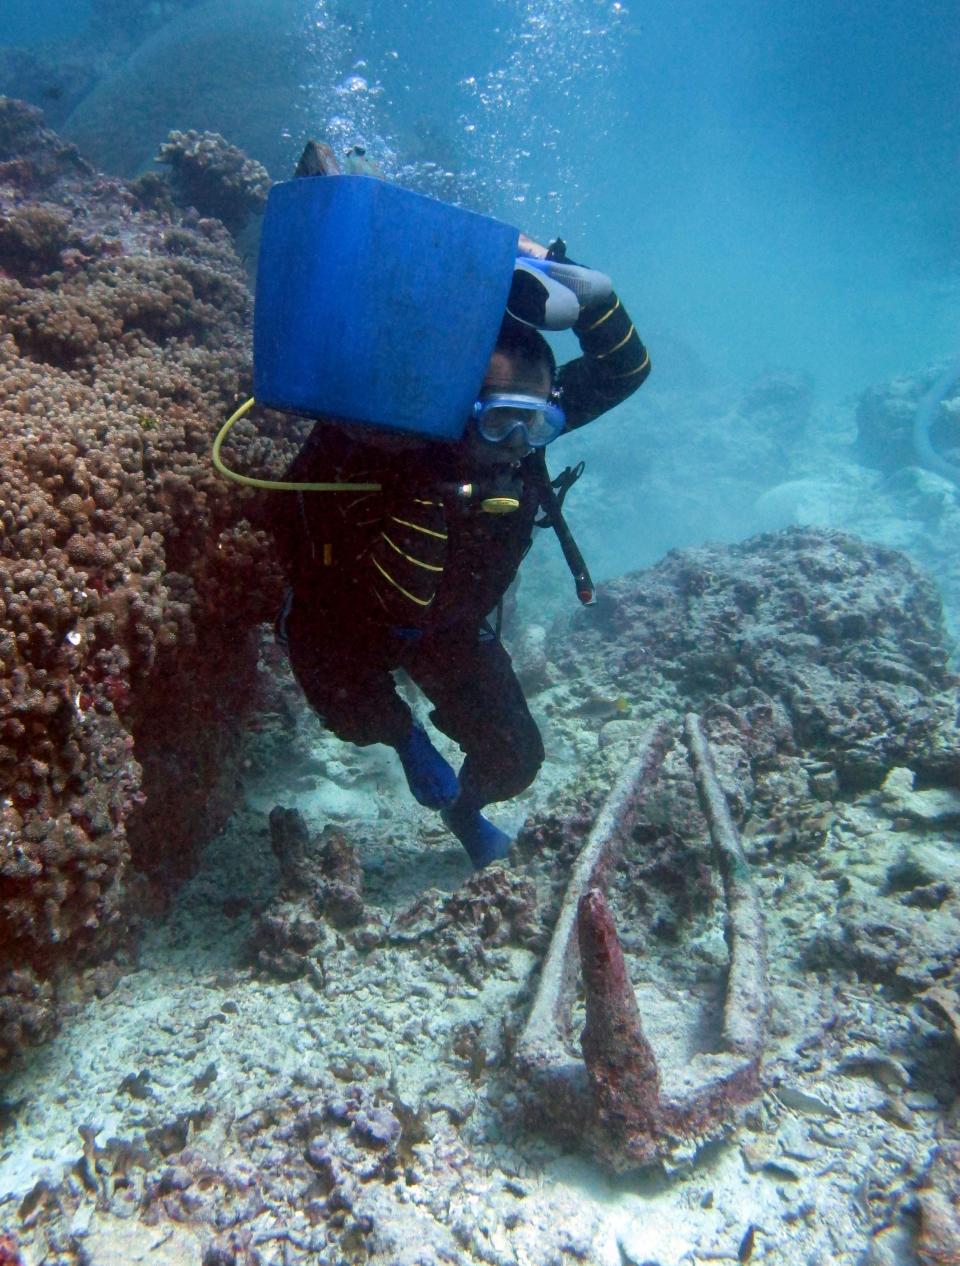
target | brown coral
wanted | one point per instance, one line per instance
(132, 579)
(215, 177)
(33, 156)
(32, 238)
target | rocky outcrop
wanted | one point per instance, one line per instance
(885, 418)
(845, 637)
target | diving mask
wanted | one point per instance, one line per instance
(501, 413)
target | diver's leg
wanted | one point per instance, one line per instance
(349, 683)
(468, 677)
(430, 778)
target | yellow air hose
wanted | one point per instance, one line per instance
(276, 485)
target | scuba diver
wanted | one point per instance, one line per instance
(407, 576)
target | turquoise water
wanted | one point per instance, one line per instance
(772, 185)
(32, 24)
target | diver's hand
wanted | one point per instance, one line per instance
(549, 290)
(527, 246)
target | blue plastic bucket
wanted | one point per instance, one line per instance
(377, 305)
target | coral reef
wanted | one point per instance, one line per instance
(132, 578)
(28, 164)
(215, 177)
(227, 66)
(845, 636)
(352, 1097)
(360, 1101)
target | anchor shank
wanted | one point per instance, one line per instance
(748, 999)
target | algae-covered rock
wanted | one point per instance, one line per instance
(846, 637)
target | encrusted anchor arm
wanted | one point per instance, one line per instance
(628, 1110)
(622, 1070)
(748, 999)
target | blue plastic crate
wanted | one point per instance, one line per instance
(377, 305)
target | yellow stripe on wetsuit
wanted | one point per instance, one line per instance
(421, 602)
(637, 370)
(417, 562)
(616, 347)
(600, 320)
(417, 527)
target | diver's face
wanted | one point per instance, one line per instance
(507, 375)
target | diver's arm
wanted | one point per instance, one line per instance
(614, 361)
(613, 365)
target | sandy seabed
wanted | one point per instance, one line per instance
(204, 1107)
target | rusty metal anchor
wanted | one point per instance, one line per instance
(627, 1106)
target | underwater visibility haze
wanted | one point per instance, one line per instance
(255, 1007)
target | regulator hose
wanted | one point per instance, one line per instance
(272, 485)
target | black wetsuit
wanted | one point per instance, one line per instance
(405, 577)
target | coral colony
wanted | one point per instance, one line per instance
(124, 332)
